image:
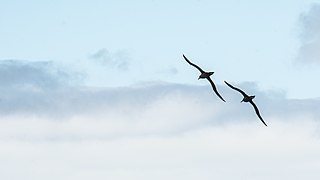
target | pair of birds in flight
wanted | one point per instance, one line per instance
(246, 98)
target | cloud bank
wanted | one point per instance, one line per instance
(150, 131)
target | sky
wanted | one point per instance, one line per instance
(100, 90)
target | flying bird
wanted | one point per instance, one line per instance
(249, 99)
(205, 75)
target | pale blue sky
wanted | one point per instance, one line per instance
(228, 37)
(99, 90)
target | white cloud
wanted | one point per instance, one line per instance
(286, 151)
(310, 37)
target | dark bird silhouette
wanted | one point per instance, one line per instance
(249, 99)
(205, 75)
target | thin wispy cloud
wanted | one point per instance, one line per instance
(118, 59)
(170, 71)
(310, 35)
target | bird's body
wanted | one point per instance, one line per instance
(205, 75)
(247, 98)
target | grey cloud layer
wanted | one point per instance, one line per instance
(32, 87)
(154, 108)
(52, 91)
(40, 74)
(39, 89)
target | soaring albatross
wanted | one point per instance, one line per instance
(249, 99)
(205, 75)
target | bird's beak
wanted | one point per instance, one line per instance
(241, 101)
(198, 78)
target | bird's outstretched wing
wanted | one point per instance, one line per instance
(215, 89)
(202, 71)
(237, 89)
(257, 111)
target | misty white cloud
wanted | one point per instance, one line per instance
(310, 37)
(286, 151)
(118, 59)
